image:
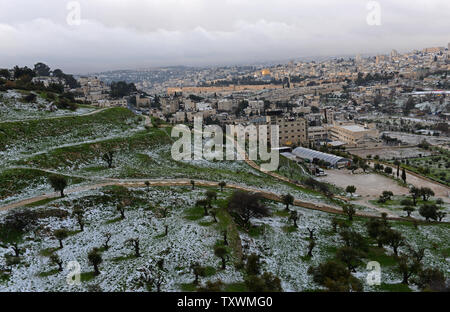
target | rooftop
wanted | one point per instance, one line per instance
(354, 128)
(310, 154)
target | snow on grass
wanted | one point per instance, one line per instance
(282, 250)
(14, 109)
(187, 242)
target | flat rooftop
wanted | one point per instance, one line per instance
(354, 128)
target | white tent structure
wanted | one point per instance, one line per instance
(333, 160)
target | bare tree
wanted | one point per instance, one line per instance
(225, 240)
(213, 213)
(151, 277)
(14, 246)
(312, 244)
(311, 233)
(108, 157)
(107, 239)
(121, 210)
(78, 213)
(349, 210)
(60, 235)
(294, 217)
(134, 242)
(56, 260)
(204, 203)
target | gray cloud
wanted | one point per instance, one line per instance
(140, 33)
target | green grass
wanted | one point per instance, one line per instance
(161, 235)
(206, 223)
(226, 222)
(13, 181)
(189, 287)
(257, 231)
(236, 287)
(282, 213)
(396, 201)
(210, 271)
(289, 229)
(115, 220)
(436, 166)
(394, 287)
(42, 202)
(124, 258)
(48, 273)
(88, 152)
(87, 276)
(13, 133)
(48, 251)
(305, 258)
(195, 213)
(4, 277)
(379, 255)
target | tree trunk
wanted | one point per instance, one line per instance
(60, 244)
(16, 249)
(96, 271)
(405, 279)
(136, 250)
(223, 263)
(62, 193)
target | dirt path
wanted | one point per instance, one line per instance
(176, 182)
(57, 117)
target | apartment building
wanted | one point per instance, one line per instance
(142, 101)
(354, 135)
(318, 134)
(292, 130)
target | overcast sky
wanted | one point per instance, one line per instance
(129, 34)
